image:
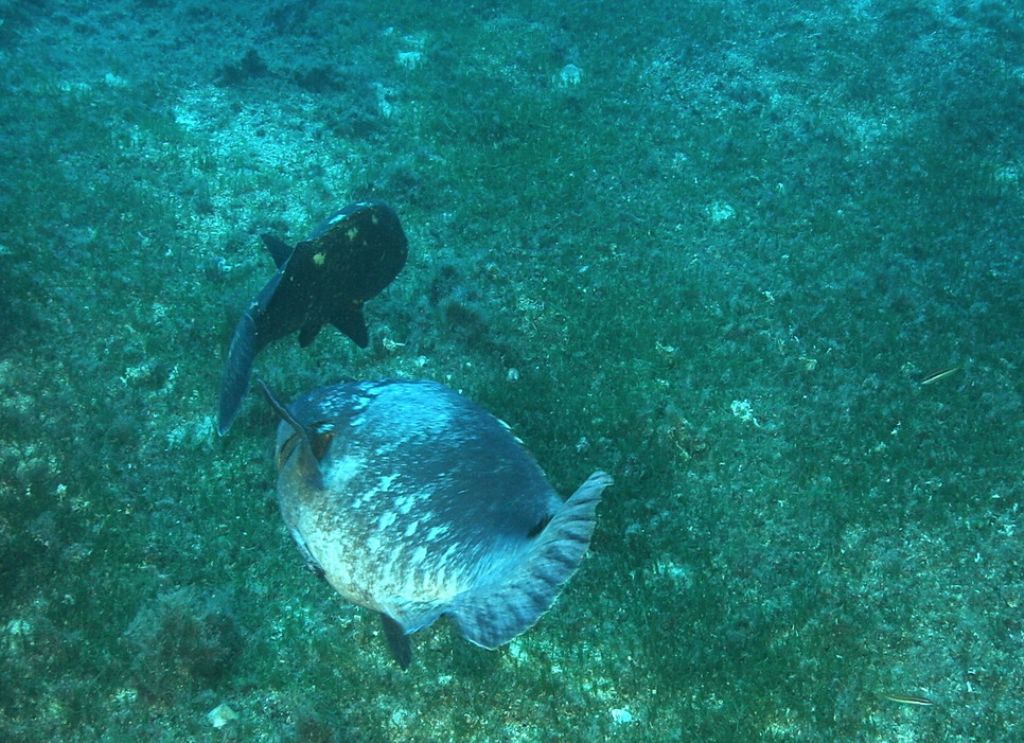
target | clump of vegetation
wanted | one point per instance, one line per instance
(182, 641)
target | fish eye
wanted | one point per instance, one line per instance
(321, 444)
(323, 435)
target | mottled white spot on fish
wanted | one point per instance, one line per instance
(418, 555)
(386, 519)
(394, 561)
(344, 469)
(385, 482)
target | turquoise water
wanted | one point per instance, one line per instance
(723, 251)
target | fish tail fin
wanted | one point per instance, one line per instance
(236, 372)
(493, 615)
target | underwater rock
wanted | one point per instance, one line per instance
(182, 640)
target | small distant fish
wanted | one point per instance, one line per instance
(913, 699)
(941, 374)
(350, 258)
(414, 502)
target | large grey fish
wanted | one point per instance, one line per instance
(350, 257)
(414, 502)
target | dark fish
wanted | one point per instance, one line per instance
(348, 259)
(414, 502)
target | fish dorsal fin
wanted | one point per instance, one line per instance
(492, 615)
(279, 250)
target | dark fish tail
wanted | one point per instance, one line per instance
(236, 372)
(493, 615)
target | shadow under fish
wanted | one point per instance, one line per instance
(350, 258)
(414, 502)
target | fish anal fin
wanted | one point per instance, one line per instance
(279, 250)
(490, 616)
(351, 322)
(398, 641)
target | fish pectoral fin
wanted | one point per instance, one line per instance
(279, 250)
(492, 615)
(308, 333)
(398, 641)
(236, 372)
(351, 322)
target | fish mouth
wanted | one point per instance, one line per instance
(286, 450)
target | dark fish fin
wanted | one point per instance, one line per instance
(493, 615)
(284, 413)
(279, 250)
(235, 382)
(307, 333)
(351, 322)
(398, 641)
(309, 463)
